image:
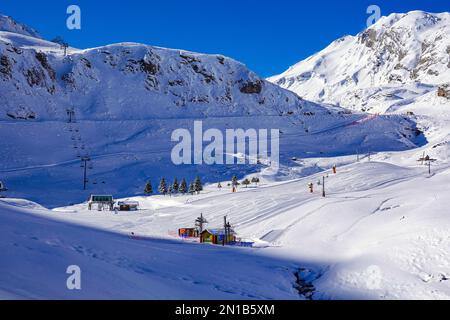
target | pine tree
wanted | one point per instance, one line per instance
(255, 180)
(198, 186)
(246, 182)
(191, 188)
(183, 187)
(162, 186)
(175, 186)
(148, 188)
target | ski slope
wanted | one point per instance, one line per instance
(36, 251)
(381, 233)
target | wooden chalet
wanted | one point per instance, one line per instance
(128, 205)
(217, 236)
(188, 233)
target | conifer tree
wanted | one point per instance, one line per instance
(148, 188)
(183, 187)
(175, 186)
(246, 182)
(191, 188)
(162, 186)
(198, 186)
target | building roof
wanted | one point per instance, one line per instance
(101, 198)
(128, 203)
(218, 232)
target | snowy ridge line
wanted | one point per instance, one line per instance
(401, 59)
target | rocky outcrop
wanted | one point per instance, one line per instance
(444, 91)
(252, 87)
(5, 67)
(400, 57)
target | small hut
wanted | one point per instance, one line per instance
(188, 233)
(218, 236)
(102, 202)
(128, 205)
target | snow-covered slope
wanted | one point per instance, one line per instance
(128, 98)
(36, 251)
(397, 60)
(381, 233)
(8, 24)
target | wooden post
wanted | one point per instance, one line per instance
(225, 230)
(323, 187)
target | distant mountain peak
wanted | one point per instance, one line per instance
(8, 24)
(399, 51)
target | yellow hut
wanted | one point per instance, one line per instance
(217, 236)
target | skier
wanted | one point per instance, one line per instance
(334, 169)
(311, 187)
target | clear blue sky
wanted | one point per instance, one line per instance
(268, 36)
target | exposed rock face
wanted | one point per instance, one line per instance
(368, 37)
(42, 58)
(5, 67)
(444, 91)
(373, 70)
(252, 87)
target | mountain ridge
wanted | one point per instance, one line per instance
(127, 99)
(401, 51)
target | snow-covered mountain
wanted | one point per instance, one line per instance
(401, 58)
(8, 24)
(128, 98)
(128, 81)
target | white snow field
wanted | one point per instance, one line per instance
(382, 232)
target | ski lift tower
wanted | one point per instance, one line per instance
(85, 163)
(71, 115)
(324, 194)
(427, 160)
(200, 222)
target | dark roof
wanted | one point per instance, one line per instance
(101, 198)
